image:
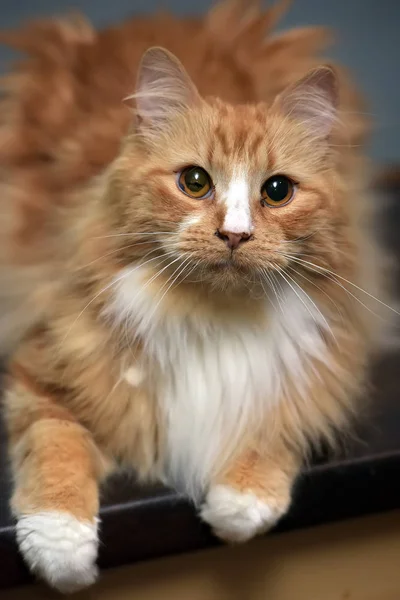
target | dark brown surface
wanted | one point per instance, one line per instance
(142, 523)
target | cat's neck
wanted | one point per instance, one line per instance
(138, 289)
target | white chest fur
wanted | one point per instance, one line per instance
(210, 380)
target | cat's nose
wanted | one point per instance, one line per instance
(232, 240)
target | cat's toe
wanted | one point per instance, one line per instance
(59, 549)
(237, 516)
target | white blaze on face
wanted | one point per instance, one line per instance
(237, 202)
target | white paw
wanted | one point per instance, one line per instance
(237, 516)
(59, 549)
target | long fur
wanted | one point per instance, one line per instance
(62, 118)
(233, 374)
(140, 337)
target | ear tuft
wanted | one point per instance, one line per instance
(163, 89)
(313, 101)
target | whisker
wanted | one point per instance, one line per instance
(299, 297)
(271, 282)
(155, 276)
(333, 274)
(114, 235)
(180, 269)
(348, 292)
(190, 272)
(107, 287)
(161, 271)
(339, 250)
(302, 238)
(313, 303)
(194, 269)
(276, 283)
(115, 251)
(265, 291)
(177, 271)
(318, 288)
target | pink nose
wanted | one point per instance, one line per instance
(232, 240)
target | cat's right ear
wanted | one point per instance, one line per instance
(313, 101)
(163, 89)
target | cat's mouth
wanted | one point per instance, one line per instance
(230, 265)
(230, 261)
(227, 262)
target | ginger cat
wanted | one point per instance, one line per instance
(180, 285)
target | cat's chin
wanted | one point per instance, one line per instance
(227, 276)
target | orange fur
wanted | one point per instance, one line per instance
(62, 118)
(86, 193)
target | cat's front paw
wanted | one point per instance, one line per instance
(237, 516)
(59, 549)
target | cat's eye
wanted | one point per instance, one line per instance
(195, 182)
(277, 191)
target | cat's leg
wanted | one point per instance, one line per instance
(56, 469)
(252, 494)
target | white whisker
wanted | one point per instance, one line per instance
(131, 234)
(360, 289)
(266, 293)
(299, 297)
(330, 275)
(271, 283)
(313, 303)
(116, 251)
(107, 287)
(154, 277)
(318, 288)
(179, 270)
(275, 283)
(303, 238)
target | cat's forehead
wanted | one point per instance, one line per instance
(223, 136)
(239, 134)
(252, 138)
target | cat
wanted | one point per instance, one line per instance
(190, 270)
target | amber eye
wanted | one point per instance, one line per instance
(195, 182)
(277, 191)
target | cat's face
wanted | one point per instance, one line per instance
(228, 194)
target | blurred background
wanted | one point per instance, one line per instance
(367, 42)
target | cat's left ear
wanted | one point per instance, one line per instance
(312, 101)
(163, 88)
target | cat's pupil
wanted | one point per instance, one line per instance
(277, 188)
(196, 180)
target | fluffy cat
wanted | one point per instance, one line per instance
(185, 272)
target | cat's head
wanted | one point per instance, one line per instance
(225, 195)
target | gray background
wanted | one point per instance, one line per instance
(368, 42)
